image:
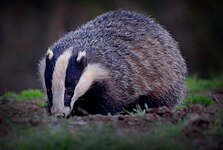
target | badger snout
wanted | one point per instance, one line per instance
(60, 112)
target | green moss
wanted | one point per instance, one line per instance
(23, 95)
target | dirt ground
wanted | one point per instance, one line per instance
(197, 118)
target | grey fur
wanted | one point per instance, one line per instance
(141, 56)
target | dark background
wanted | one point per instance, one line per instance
(27, 28)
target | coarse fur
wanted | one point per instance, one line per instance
(115, 61)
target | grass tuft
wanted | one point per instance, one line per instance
(195, 99)
(195, 85)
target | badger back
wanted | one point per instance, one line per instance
(143, 58)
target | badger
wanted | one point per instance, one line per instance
(116, 61)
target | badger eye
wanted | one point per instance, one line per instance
(69, 92)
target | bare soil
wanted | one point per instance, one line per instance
(197, 119)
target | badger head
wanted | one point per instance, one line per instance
(66, 77)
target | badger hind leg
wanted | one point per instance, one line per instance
(170, 100)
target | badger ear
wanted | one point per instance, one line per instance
(81, 58)
(49, 54)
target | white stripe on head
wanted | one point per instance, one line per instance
(81, 55)
(93, 72)
(41, 70)
(58, 82)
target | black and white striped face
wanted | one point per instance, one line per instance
(66, 77)
(60, 74)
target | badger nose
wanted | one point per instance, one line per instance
(60, 113)
(56, 113)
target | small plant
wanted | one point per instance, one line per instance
(23, 95)
(138, 111)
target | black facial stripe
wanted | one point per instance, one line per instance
(50, 64)
(73, 74)
(48, 74)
